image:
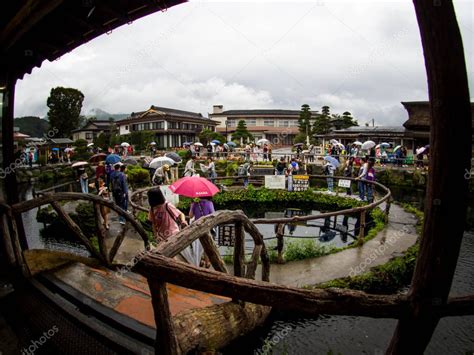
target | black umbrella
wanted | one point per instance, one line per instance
(97, 158)
(130, 161)
(174, 156)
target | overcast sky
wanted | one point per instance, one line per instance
(363, 57)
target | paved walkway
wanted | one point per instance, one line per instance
(398, 235)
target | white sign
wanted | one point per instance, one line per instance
(275, 181)
(170, 196)
(344, 183)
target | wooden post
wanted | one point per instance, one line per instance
(447, 189)
(213, 253)
(102, 234)
(280, 242)
(239, 250)
(387, 210)
(361, 228)
(166, 342)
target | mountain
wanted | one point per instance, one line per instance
(32, 126)
(104, 115)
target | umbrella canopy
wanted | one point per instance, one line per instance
(68, 150)
(130, 161)
(152, 143)
(125, 144)
(332, 161)
(54, 148)
(333, 141)
(112, 159)
(262, 141)
(187, 143)
(226, 146)
(298, 144)
(198, 144)
(90, 144)
(382, 145)
(215, 141)
(397, 148)
(160, 161)
(420, 150)
(357, 143)
(368, 145)
(194, 186)
(231, 144)
(174, 156)
(98, 157)
(79, 163)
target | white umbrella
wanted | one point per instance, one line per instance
(397, 148)
(68, 150)
(160, 161)
(333, 141)
(262, 141)
(79, 163)
(198, 144)
(153, 143)
(368, 144)
(125, 144)
(357, 143)
(420, 150)
(90, 144)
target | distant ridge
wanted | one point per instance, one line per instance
(104, 115)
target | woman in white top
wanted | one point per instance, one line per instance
(361, 178)
(189, 168)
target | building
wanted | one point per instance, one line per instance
(172, 127)
(91, 130)
(278, 126)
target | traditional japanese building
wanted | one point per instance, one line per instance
(91, 130)
(171, 127)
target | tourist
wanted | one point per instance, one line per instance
(329, 170)
(370, 176)
(419, 158)
(164, 216)
(348, 171)
(99, 174)
(270, 149)
(82, 178)
(123, 169)
(119, 188)
(108, 171)
(244, 171)
(189, 168)
(200, 208)
(160, 177)
(280, 167)
(361, 178)
(197, 150)
(209, 150)
(248, 150)
(294, 167)
(254, 152)
(311, 153)
(211, 170)
(104, 210)
(265, 152)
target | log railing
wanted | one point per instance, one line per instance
(17, 243)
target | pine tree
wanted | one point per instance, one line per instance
(241, 132)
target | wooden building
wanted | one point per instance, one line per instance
(91, 130)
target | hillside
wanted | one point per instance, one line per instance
(104, 115)
(32, 126)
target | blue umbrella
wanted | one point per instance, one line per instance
(112, 159)
(332, 161)
(231, 144)
(54, 148)
(215, 141)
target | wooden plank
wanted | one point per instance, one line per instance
(117, 243)
(166, 341)
(102, 234)
(360, 240)
(447, 190)
(75, 229)
(213, 253)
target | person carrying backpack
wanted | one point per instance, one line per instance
(117, 180)
(280, 167)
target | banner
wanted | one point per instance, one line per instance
(344, 183)
(275, 181)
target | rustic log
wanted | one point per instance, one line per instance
(213, 253)
(447, 189)
(75, 229)
(360, 240)
(305, 302)
(73, 196)
(39, 260)
(165, 341)
(16, 244)
(212, 328)
(239, 250)
(7, 240)
(280, 228)
(265, 264)
(102, 234)
(118, 242)
(252, 265)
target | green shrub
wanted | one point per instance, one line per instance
(231, 169)
(184, 154)
(137, 176)
(305, 249)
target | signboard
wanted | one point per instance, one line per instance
(170, 196)
(300, 182)
(275, 182)
(262, 170)
(226, 235)
(344, 183)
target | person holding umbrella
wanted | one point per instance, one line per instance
(165, 218)
(211, 170)
(201, 207)
(119, 188)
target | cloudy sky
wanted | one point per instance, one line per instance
(363, 57)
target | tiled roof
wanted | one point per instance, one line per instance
(171, 112)
(261, 113)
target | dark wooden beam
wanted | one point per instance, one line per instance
(447, 190)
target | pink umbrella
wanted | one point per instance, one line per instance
(194, 186)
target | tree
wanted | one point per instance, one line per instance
(348, 120)
(325, 111)
(304, 123)
(241, 132)
(207, 136)
(322, 124)
(64, 113)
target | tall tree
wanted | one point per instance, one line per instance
(322, 124)
(241, 132)
(325, 111)
(64, 113)
(304, 123)
(348, 120)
